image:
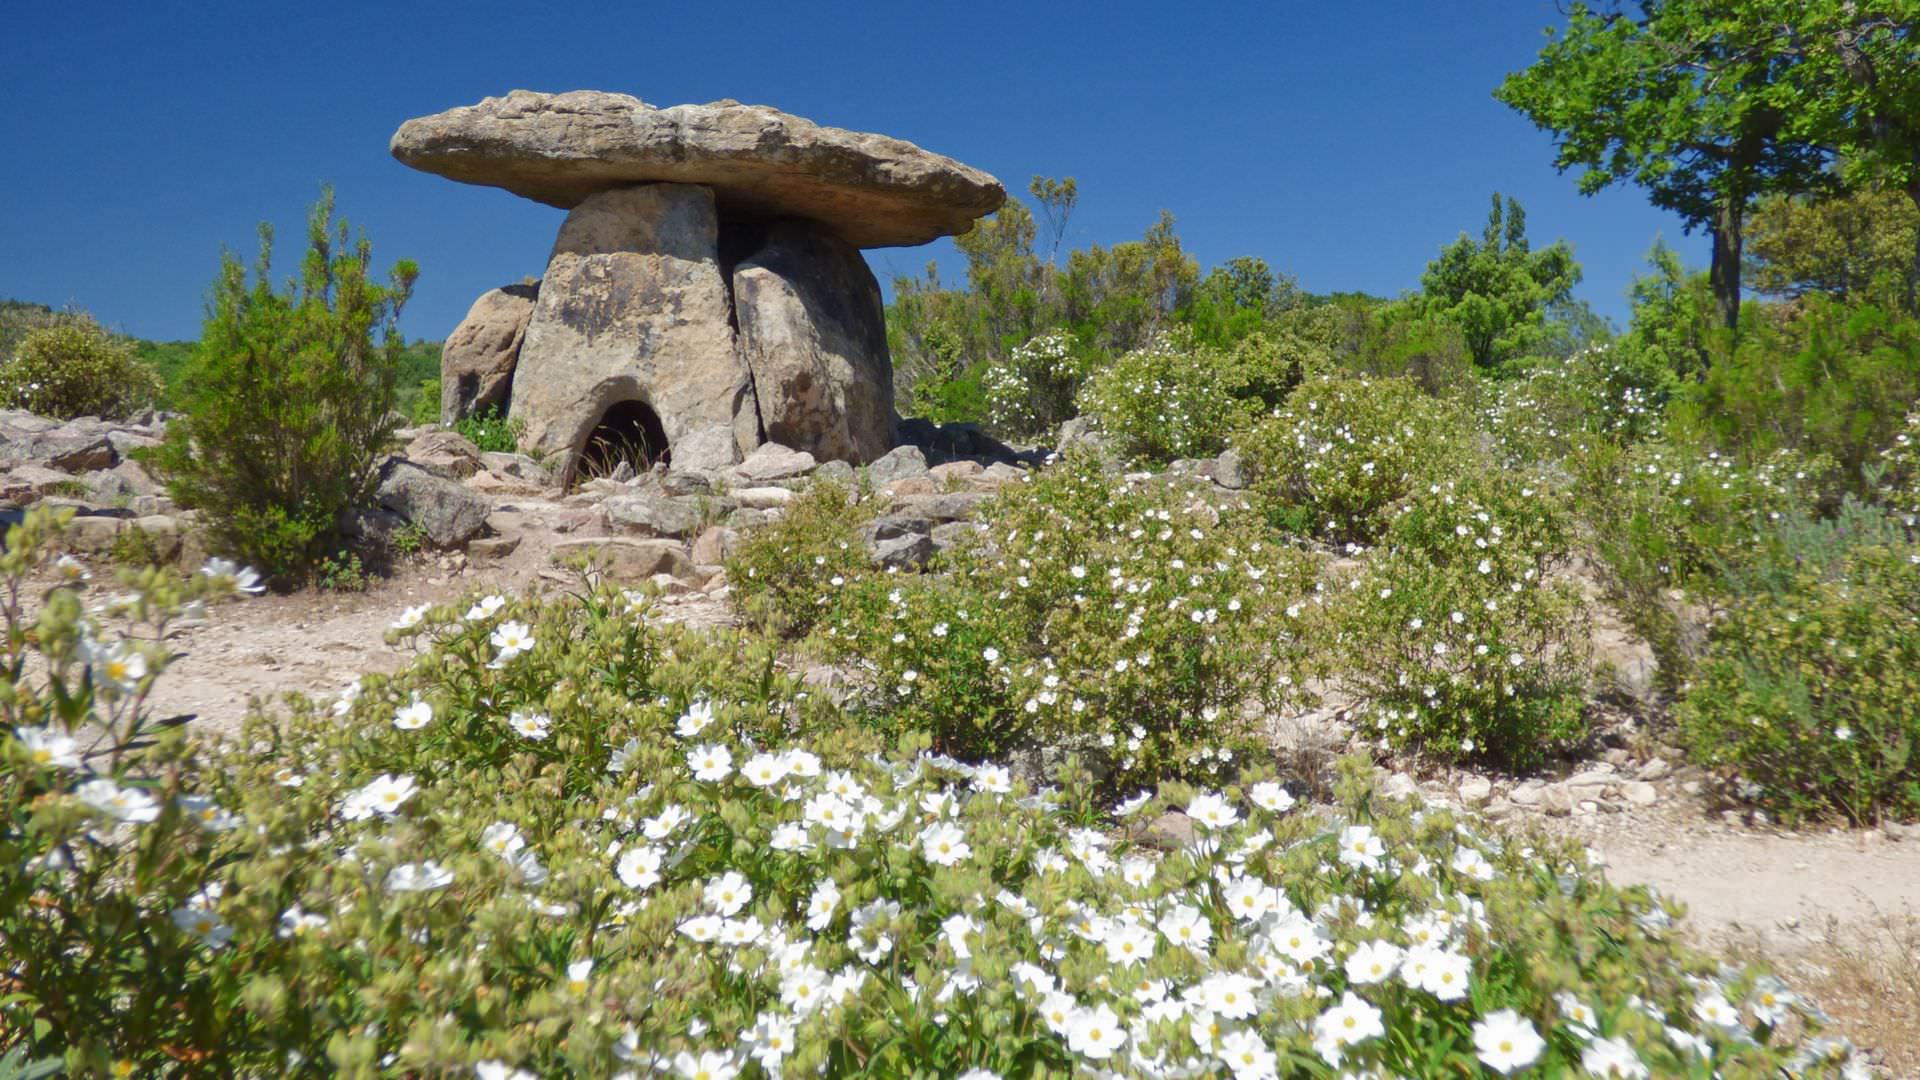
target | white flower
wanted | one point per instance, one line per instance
(1713, 1009)
(71, 570)
(298, 922)
(1343, 1025)
(1246, 1054)
(728, 893)
(577, 973)
(712, 762)
(125, 804)
(1612, 1058)
(512, 639)
(790, 836)
(202, 923)
(992, 778)
(486, 608)
(418, 877)
(1360, 847)
(990, 654)
(1470, 862)
(695, 719)
(208, 814)
(945, 844)
(1128, 944)
(1271, 796)
(1095, 1033)
(765, 770)
(1185, 925)
(702, 928)
(47, 748)
(1211, 811)
(1506, 1041)
(639, 868)
(244, 578)
(120, 666)
(770, 1040)
(1132, 806)
(707, 1065)
(500, 1070)
(1443, 974)
(1373, 962)
(820, 907)
(529, 725)
(383, 795)
(1230, 995)
(502, 838)
(411, 617)
(413, 717)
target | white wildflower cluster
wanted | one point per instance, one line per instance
(1032, 390)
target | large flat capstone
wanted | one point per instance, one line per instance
(761, 163)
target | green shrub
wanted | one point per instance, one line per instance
(291, 401)
(1457, 635)
(1342, 451)
(1811, 696)
(1030, 392)
(1176, 399)
(1828, 380)
(1543, 408)
(342, 572)
(426, 403)
(786, 574)
(1667, 524)
(1130, 621)
(74, 367)
(1900, 471)
(573, 842)
(490, 431)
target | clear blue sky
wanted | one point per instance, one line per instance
(1343, 143)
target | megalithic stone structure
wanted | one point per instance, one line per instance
(706, 290)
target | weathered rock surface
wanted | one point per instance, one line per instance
(656, 515)
(813, 332)
(449, 514)
(447, 454)
(625, 559)
(477, 361)
(633, 308)
(561, 149)
(897, 464)
(772, 462)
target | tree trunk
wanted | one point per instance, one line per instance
(1725, 271)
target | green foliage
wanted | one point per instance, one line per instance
(1457, 635)
(611, 844)
(1830, 380)
(1900, 471)
(1130, 622)
(1239, 298)
(490, 431)
(785, 575)
(342, 572)
(291, 400)
(136, 547)
(1342, 451)
(19, 318)
(1695, 101)
(1497, 291)
(1855, 247)
(1811, 694)
(1543, 408)
(1177, 398)
(426, 403)
(171, 361)
(74, 367)
(1033, 389)
(1672, 324)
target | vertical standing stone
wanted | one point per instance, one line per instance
(633, 307)
(477, 362)
(813, 332)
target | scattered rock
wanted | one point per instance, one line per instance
(625, 559)
(772, 461)
(909, 552)
(1655, 769)
(954, 471)
(837, 472)
(1530, 793)
(654, 515)
(1172, 829)
(1640, 793)
(1230, 469)
(763, 498)
(492, 548)
(715, 545)
(1557, 800)
(953, 533)
(449, 514)
(447, 454)
(1475, 790)
(1400, 786)
(897, 490)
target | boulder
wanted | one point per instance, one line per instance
(898, 463)
(562, 149)
(477, 362)
(708, 448)
(69, 449)
(763, 498)
(813, 332)
(518, 466)
(1230, 469)
(492, 548)
(909, 552)
(633, 312)
(625, 559)
(955, 472)
(952, 534)
(951, 506)
(446, 454)
(773, 461)
(715, 545)
(449, 514)
(655, 515)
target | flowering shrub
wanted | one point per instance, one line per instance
(1032, 390)
(1543, 408)
(74, 367)
(1177, 399)
(1132, 620)
(1344, 450)
(1900, 475)
(1812, 696)
(544, 850)
(1665, 524)
(1456, 636)
(784, 574)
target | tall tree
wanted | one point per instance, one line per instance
(1694, 100)
(1497, 290)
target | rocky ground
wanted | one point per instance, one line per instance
(1834, 908)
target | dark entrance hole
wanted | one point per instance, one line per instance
(630, 432)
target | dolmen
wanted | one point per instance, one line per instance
(706, 292)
